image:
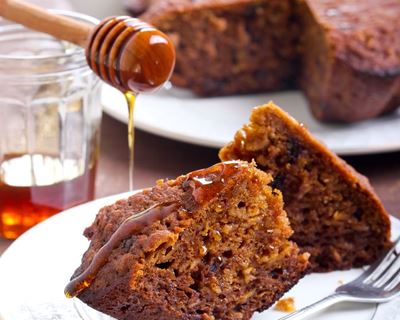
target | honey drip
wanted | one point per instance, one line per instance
(131, 226)
(207, 183)
(131, 99)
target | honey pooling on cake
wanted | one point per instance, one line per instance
(129, 227)
(206, 183)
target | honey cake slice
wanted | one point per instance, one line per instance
(212, 244)
(334, 212)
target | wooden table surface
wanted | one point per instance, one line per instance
(162, 158)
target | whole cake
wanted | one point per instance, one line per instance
(212, 244)
(333, 210)
(344, 54)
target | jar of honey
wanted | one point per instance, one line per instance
(50, 117)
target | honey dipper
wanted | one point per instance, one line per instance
(125, 52)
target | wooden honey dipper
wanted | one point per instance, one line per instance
(125, 52)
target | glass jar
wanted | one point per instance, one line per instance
(50, 115)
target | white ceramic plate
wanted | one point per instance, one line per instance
(37, 266)
(177, 114)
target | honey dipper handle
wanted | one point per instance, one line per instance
(39, 19)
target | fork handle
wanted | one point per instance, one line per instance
(315, 307)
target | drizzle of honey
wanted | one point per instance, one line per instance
(131, 226)
(131, 100)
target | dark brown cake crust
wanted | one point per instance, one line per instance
(351, 58)
(344, 54)
(222, 253)
(335, 214)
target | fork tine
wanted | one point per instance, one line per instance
(388, 273)
(396, 288)
(393, 281)
(376, 269)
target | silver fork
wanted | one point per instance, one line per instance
(380, 283)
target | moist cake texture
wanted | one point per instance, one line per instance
(333, 210)
(212, 244)
(223, 47)
(343, 54)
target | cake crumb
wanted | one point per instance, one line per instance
(340, 282)
(286, 305)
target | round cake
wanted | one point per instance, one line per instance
(343, 54)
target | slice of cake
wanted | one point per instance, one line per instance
(333, 210)
(344, 54)
(212, 244)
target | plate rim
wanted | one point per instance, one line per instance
(167, 134)
(217, 144)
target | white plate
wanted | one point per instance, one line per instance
(177, 114)
(37, 266)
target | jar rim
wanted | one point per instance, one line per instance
(76, 52)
